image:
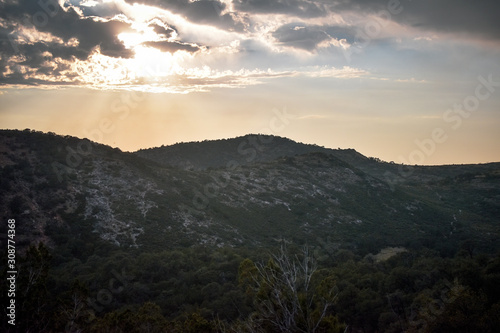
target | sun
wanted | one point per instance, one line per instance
(152, 63)
(150, 69)
(148, 62)
(160, 61)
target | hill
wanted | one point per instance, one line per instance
(243, 191)
(244, 150)
(170, 238)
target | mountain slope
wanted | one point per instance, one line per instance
(252, 148)
(73, 193)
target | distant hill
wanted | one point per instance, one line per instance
(244, 150)
(255, 148)
(243, 191)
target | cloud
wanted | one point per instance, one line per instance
(42, 39)
(107, 9)
(67, 24)
(43, 42)
(172, 46)
(345, 72)
(300, 36)
(208, 12)
(297, 8)
(309, 38)
(165, 32)
(480, 18)
(206, 78)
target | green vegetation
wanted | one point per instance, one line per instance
(128, 244)
(257, 290)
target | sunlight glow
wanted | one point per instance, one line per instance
(150, 62)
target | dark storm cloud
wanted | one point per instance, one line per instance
(172, 47)
(35, 59)
(300, 36)
(308, 38)
(207, 12)
(48, 17)
(40, 58)
(67, 25)
(168, 46)
(481, 18)
(298, 8)
(160, 30)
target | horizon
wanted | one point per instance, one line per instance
(402, 81)
(252, 134)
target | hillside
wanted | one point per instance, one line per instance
(256, 148)
(234, 196)
(244, 150)
(180, 222)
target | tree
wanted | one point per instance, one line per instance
(73, 311)
(462, 312)
(148, 318)
(288, 297)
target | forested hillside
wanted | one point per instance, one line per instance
(256, 234)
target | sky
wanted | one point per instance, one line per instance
(410, 81)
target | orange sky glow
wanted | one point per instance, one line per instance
(404, 82)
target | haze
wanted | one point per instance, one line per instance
(415, 82)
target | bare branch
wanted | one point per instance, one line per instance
(286, 296)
